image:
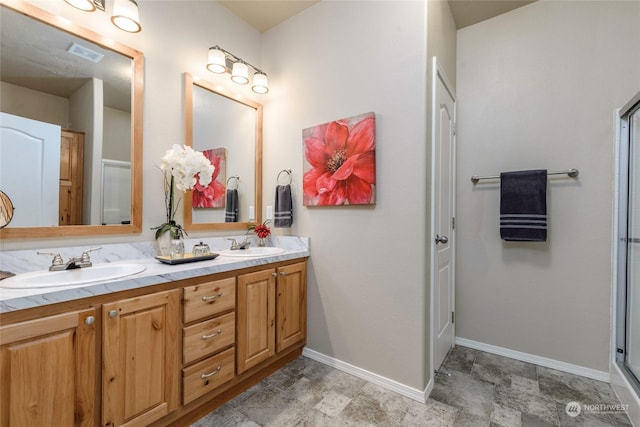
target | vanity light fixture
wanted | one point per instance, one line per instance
(125, 12)
(220, 61)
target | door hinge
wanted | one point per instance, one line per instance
(453, 317)
(453, 223)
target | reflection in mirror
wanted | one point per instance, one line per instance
(228, 130)
(70, 127)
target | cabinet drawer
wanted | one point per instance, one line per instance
(207, 375)
(207, 299)
(208, 337)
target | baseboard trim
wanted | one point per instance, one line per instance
(389, 384)
(538, 360)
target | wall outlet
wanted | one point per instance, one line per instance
(269, 212)
(252, 213)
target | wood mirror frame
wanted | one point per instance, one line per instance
(137, 79)
(188, 140)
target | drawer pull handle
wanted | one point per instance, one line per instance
(210, 374)
(212, 297)
(206, 337)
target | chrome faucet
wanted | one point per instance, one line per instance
(242, 245)
(57, 264)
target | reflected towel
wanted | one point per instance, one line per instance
(231, 207)
(283, 216)
(523, 206)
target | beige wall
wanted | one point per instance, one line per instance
(537, 88)
(20, 101)
(117, 135)
(367, 275)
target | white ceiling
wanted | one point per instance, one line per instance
(265, 14)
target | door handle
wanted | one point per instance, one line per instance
(441, 239)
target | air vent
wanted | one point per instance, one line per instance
(85, 53)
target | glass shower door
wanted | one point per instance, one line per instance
(628, 340)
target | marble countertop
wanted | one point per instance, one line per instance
(142, 253)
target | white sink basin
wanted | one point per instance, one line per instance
(78, 276)
(252, 251)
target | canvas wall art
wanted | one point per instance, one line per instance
(340, 162)
(212, 196)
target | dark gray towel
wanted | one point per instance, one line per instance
(283, 216)
(523, 206)
(231, 207)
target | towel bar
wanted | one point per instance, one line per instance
(571, 172)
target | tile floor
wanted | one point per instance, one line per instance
(482, 390)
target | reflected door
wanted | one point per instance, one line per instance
(30, 158)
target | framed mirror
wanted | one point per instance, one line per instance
(71, 127)
(228, 130)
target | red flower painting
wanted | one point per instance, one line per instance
(211, 196)
(340, 162)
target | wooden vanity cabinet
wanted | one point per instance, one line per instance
(48, 371)
(271, 313)
(140, 359)
(208, 351)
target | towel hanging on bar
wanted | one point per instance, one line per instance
(283, 216)
(523, 206)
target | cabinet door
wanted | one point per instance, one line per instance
(291, 302)
(48, 371)
(141, 359)
(256, 318)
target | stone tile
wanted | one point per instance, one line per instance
(377, 406)
(269, 408)
(433, 414)
(342, 383)
(469, 394)
(524, 385)
(529, 420)
(315, 418)
(261, 386)
(315, 370)
(282, 379)
(465, 419)
(586, 419)
(564, 387)
(332, 403)
(307, 391)
(498, 369)
(460, 359)
(505, 417)
(225, 416)
(540, 406)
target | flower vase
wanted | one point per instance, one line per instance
(262, 241)
(163, 244)
(176, 247)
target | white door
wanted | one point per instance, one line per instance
(30, 153)
(443, 208)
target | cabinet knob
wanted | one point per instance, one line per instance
(274, 274)
(282, 273)
(113, 314)
(89, 320)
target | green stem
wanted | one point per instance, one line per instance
(171, 210)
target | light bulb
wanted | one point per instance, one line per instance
(216, 62)
(125, 16)
(260, 84)
(240, 73)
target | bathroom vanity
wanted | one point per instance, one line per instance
(159, 354)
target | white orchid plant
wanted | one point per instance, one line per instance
(181, 165)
